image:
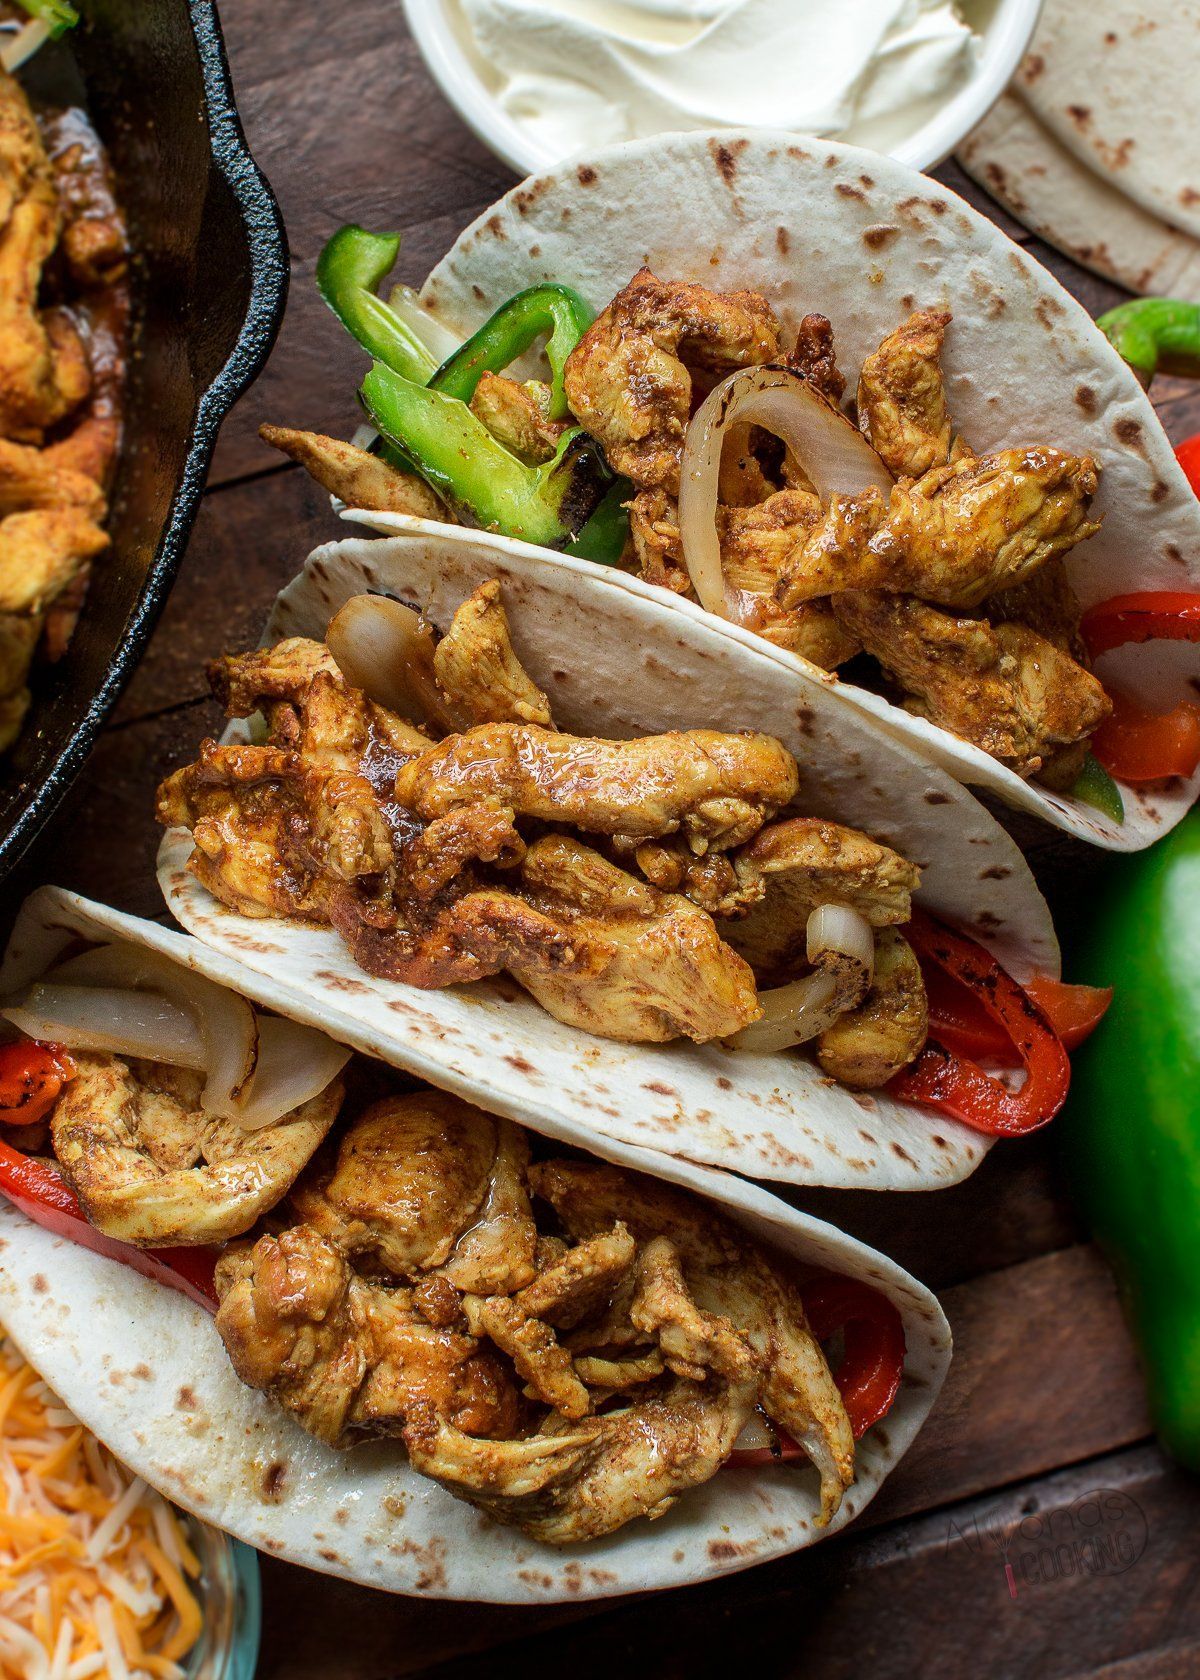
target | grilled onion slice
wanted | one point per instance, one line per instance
(841, 948)
(829, 447)
(386, 649)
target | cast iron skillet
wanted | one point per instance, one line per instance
(209, 282)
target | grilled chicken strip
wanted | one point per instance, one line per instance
(1004, 688)
(792, 867)
(629, 379)
(478, 670)
(415, 1182)
(866, 1046)
(657, 968)
(718, 788)
(953, 536)
(350, 1359)
(150, 1167)
(356, 476)
(519, 416)
(902, 400)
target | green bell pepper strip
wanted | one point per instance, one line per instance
(604, 536)
(454, 451)
(1155, 335)
(57, 13)
(1094, 786)
(1131, 1130)
(351, 266)
(549, 309)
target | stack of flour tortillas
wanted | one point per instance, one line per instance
(1096, 146)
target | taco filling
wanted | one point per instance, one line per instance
(564, 1343)
(414, 795)
(684, 438)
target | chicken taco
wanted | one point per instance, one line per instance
(561, 848)
(310, 1301)
(804, 391)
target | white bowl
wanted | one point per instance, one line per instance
(1005, 34)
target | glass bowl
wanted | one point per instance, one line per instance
(232, 1602)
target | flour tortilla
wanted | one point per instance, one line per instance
(1116, 81)
(820, 226)
(144, 1368)
(1019, 161)
(617, 663)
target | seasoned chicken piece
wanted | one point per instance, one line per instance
(275, 837)
(866, 1046)
(356, 476)
(433, 860)
(44, 371)
(538, 1357)
(709, 881)
(35, 478)
(578, 1283)
(477, 669)
(954, 536)
(410, 1180)
(692, 1342)
(150, 1167)
(801, 863)
(95, 242)
(717, 788)
(902, 400)
(1046, 603)
(743, 481)
(812, 357)
(347, 1358)
(1005, 688)
(756, 544)
(19, 634)
(657, 545)
(580, 1480)
(13, 707)
(657, 968)
(498, 1254)
(41, 551)
(629, 379)
(518, 416)
(729, 1276)
(311, 707)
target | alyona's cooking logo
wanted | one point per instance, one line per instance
(1100, 1533)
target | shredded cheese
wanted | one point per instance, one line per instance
(97, 1575)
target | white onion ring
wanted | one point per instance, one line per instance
(434, 334)
(127, 1023)
(385, 648)
(295, 1063)
(841, 947)
(226, 1022)
(829, 447)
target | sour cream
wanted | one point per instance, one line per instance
(576, 73)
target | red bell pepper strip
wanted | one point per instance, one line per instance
(1148, 615)
(1139, 746)
(872, 1363)
(958, 1086)
(37, 1187)
(959, 1022)
(31, 1077)
(1187, 454)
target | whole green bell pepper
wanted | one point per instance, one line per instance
(1131, 1129)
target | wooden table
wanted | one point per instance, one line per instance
(1043, 1404)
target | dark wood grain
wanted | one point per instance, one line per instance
(1043, 1402)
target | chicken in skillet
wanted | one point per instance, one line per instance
(63, 307)
(643, 890)
(932, 569)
